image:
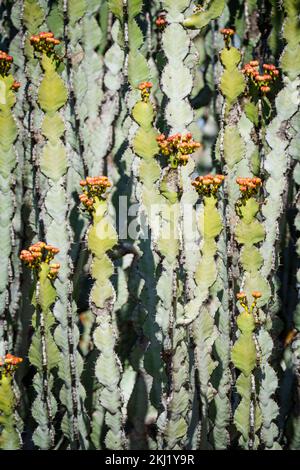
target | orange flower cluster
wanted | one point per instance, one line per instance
(161, 21)
(208, 185)
(262, 81)
(145, 88)
(178, 147)
(9, 364)
(227, 33)
(44, 42)
(249, 186)
(39, 253)
(92, 188)
(242, 298)
(5, 63)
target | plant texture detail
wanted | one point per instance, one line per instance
(149, 225)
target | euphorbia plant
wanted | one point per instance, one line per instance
(101, 238)
(10, 436)
(161, 331)
(43, 352)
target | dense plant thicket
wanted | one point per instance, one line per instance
(149, 224)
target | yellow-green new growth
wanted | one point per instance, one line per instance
(102, 237)
(9, 434)
(244, 355)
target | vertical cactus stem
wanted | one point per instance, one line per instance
(15, 50)
(84, 73)
(174, 419)
(126, 40)
(230, 153)
(231, 86)
(168, 248)
(27, 16)
(93, 81)
(222, 134)
(52, 96)
(104, 112)
(177, 83)
(149, 35)
(204, 15)
(222, 376)
(261, 146)
(31, 23)
(247, 24)
(10, 438)
(251, 32)
(249, 232)
(204, 330)
(74, 378)
(43, 352)
(291, 73)
(294, 346)
(45, 374)
(213, 27)
(147, 173)
(67, 31)
(292, 341)
(257, 105)
(8, 162)
(135, 70)
(279, 140)
(102, 237)
(287, 106)
(247, 417)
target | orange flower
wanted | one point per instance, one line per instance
(5, 63)
(227, 31)
(249, 186)
(38, 253)
(177, 147)
(256, 294)
(9, 364)
(45, 35)
(93, 187)
(161, 21)
(145, 88)
(262, 81)
(208, 185)
(10, 359)
(44, 42)
(241, 296)
(144, 85)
